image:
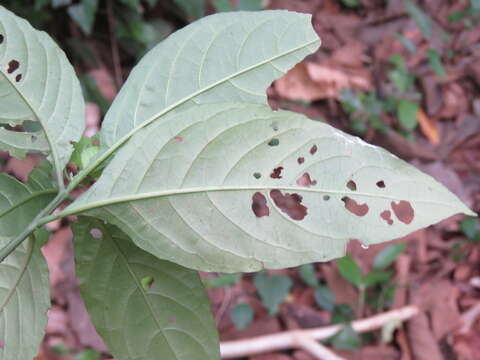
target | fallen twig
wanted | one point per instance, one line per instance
(289, 339)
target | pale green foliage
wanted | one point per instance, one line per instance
(39, 85)
(24, 287)
(207, 156)
(169, 315)
(201, 172)
(220, 58)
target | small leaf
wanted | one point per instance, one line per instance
(388, 255)
(471, 228)
(407, 114)
(84, 152)
(89, 354)
(307, 273)
(84, 14)
(351, 3)
(194, 9)
(272, 289)
(250, 5)
(407, 43)
(346, 339)
(342, 313)
(350, 270)
(241, 315)
(223, 280)
(324, 297)
(140, 305)
(376, 277)
(423, 21)
(223, 5)
(436, 63)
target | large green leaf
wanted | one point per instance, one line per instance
(223, 57)
(37, 83)
(24, 286)
(238, 187)
(144, 308)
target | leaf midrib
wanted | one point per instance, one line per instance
(203, 90)
(156, 194)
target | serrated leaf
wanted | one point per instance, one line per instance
(205, 189)
(273, 290)
(388, 255)
(241, 315)
(220, 58)
(24, 284)
(140, 305)
(38, 83)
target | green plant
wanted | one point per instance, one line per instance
(376, 287)
(470, 227)
(195, 171)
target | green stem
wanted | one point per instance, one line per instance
(15, 242)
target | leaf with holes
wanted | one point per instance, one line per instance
(24, 287)
(232, 196)
(37, 83)
(223, 57)
(140, 305)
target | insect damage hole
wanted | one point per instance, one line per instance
(259, 205)
(313, 149)
(277, 173)
(387, 216)
(354, 207)
(257, 175)
(1, 38)
(34, 138)
(147, 282)
(274, 142)
(96, 233)
(18, 77)
(300, 160)
(306, 181)
(179, 139)
(352, 185)
(326, 197)
(403, 211)
(12, 66)
(290, 204)
(381, 184)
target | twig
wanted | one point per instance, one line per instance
(314, 348)
(287, 339)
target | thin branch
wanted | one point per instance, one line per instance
(313, 347)
(288, 339)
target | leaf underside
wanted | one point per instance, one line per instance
(38, 84)
(220, 58)
(238, 187)
(167, 314)
(24, 284)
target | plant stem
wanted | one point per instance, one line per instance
(15, 242)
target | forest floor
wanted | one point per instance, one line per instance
(378, 65)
